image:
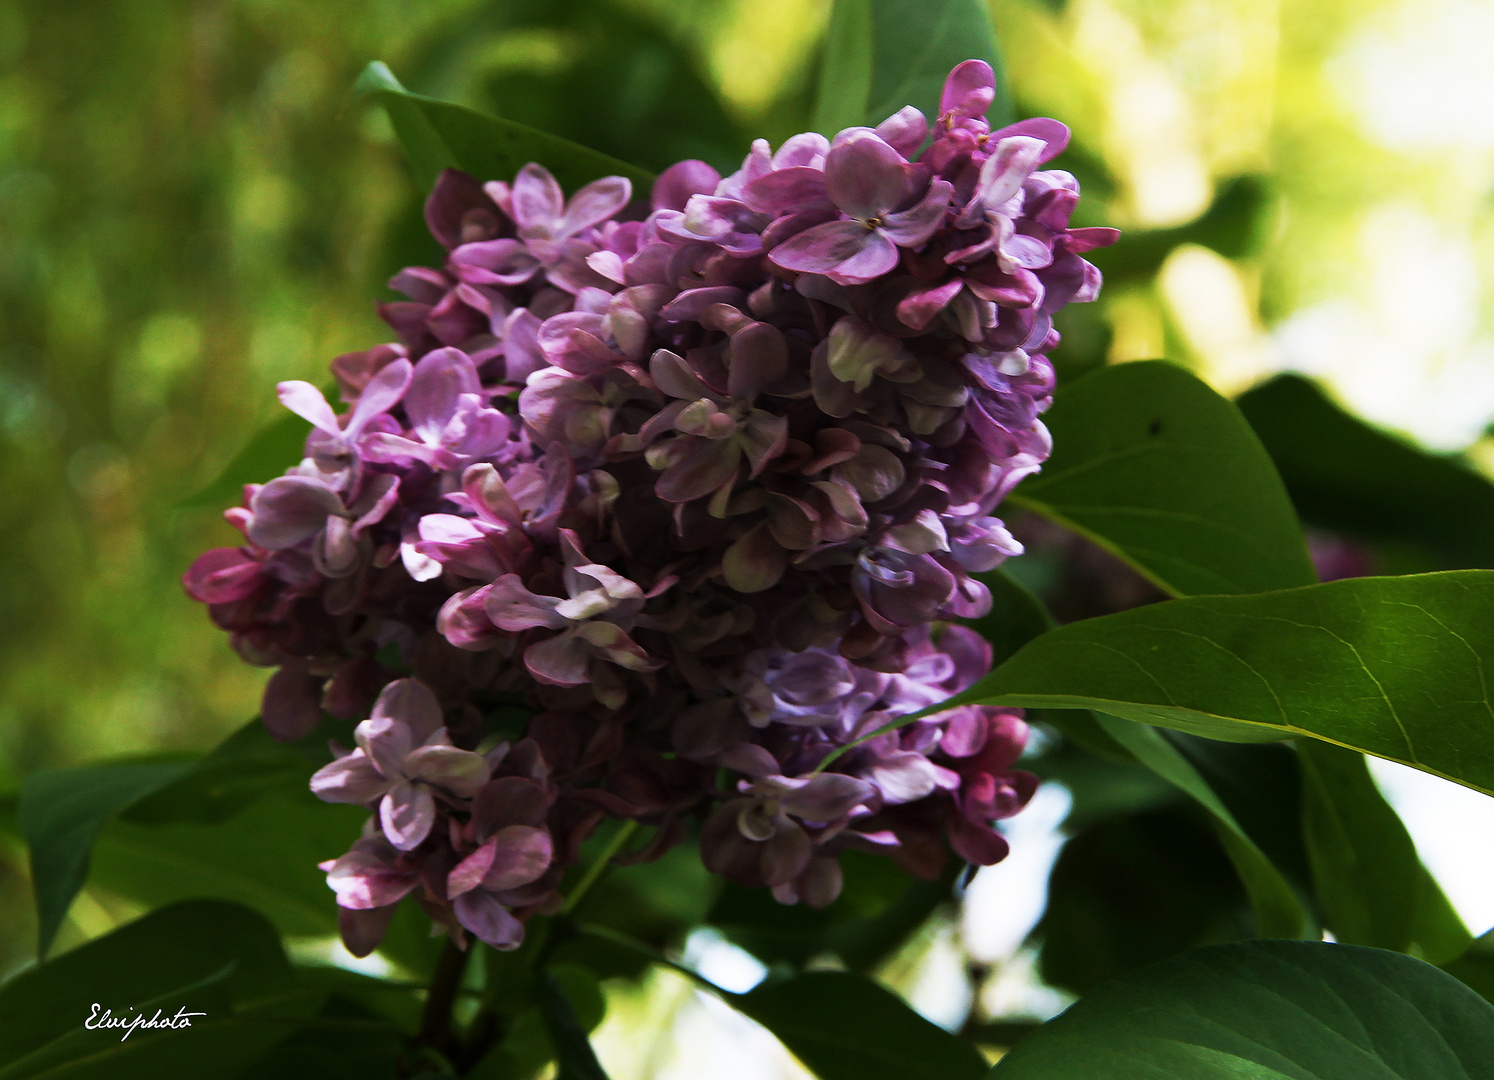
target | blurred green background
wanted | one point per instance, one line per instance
(194, 207)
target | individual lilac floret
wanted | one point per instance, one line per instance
(405, 760)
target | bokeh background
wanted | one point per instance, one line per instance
(193, 206)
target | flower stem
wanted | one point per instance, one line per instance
(598, 866)
(446, 984)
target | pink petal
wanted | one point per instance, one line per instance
(865, 176)
(1054, 135)
(564, 660)
(481, 913)
(513, 607)
(290, 509)
(460, 772)
(704, 467)
(537, 199)
(1007, 168)
(407, 813)
(594, 203)
(411, 702)
(970, 89)
(829, 247)
(306, 401)
(522, 855)
(349, 779)
(914, 226)
(380, 395)
(904, 131)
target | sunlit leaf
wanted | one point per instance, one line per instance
(1154, 466)
(1395, 667)
(1268, 1010)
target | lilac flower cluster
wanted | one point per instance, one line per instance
(705, 485)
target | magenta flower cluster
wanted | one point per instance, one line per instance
(706, 485)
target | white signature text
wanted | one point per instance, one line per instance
(99, 1017)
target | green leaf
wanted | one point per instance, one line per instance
(266, 857)
(1475, 966)
(1365, 869)
(438, 135)
(275, 448)
(1278, 912)
(1130, 890)
(1346, 475)
(60, 814)
(201, 956)
(1154, 466)
(573, 1052)
(230, 778)
(1016, 616)
(881, 55)
(1268, 1010)
(847, 1027)
(1395, 667)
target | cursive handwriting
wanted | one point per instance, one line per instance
(97, 1020)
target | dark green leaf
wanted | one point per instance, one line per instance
(1475, 966)
(881, 55)
(1345, 475)
(573, 1052)
(1154, 466)
(1015, 618)
(266, 857)
(1395, 667)
(438, 135)
(847, 1027)
(1268, 1010)
(1365, 869)
(1278, 912)
(1133, 889)
(61, 812)
(202, 956)
(245, 766)
(276, 447)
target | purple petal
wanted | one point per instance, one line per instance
(1054, 135)
(918, 308)
(349, 779)
(595, 203)
(865, 176)
(460, 772)
(904, 776)
(407, 813)
(914, 226)
(844, 249)
(363, 931)
(787, 190)
(564, 660)
(306, 401)
(509, 800)
(808, 148)
(438, 381)
(380, 395)
(969, 89)
(749, 758)
(521, 855)
(511, 606)
(1002, 175)
(537, 199)
(758, 358)
(290, 509)
(904, 131)
(707, 465)
(785, 856)
(481, 913)
(755, 562)
(291, 706)
(413, 704)
(675, 185)
(826, 797)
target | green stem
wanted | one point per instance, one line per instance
(446, 984)
(599, 866)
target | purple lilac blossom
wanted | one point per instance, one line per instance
(706, 487)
